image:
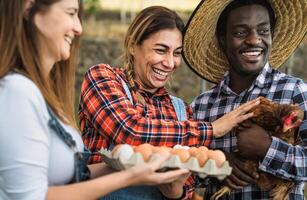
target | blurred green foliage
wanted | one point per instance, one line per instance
(92, 6)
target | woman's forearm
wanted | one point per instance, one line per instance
(92, 189)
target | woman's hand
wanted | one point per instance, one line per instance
(147, 174)
(230, 120)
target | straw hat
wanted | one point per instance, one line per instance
(203, 54)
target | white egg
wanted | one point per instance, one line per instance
(124, 152)
(178, 146)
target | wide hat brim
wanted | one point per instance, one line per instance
(203, 55)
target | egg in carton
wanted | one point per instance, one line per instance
(201, 161)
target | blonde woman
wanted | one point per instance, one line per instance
(41, 149)
(131, 105)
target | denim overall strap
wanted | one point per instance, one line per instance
(82, 172)
(179, 108)
(127, 91)
(60, 131)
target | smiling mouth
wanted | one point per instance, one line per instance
(160, 72)
(68, 39)
(252, 54)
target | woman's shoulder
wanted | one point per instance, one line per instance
(104, 71)
(17, 87)
(104, 68)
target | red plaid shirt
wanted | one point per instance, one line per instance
(108, 117)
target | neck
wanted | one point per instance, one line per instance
(239, 83)
(46, 59)
(152, 91)
(144, 87)
(47, 65)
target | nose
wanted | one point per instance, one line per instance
(169, 61)
(77, 27)
(253, 39)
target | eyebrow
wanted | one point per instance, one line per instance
(264, 24)
(165, 46)
(258, 25)
(73, 9)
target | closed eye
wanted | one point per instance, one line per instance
(72, 11)
(264, 31)
(240, 33)
(177, 54)
(160, 51)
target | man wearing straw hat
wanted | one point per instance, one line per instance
(239, 45)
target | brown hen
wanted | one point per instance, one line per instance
(281, 121)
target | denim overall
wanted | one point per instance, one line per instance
(81, 172)
(145, 192)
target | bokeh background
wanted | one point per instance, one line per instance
(106, 21)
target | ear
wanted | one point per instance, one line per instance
(132, 47)
(28, 5)
(222, 43)
(132, 50)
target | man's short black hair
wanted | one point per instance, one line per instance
(222, 21)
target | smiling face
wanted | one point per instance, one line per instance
(156, 58)
(57, 27)
(248, 39)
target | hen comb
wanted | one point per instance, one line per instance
(288, 120)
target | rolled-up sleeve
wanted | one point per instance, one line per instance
(285, 160)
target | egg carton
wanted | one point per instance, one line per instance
(174, 162)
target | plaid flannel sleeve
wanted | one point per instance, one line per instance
(105, 104)
(284, 160)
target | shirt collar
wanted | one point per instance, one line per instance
(260, 81)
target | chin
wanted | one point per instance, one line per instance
(65, 57)
(252, 67)
(247, 71)
(156, 86)
(159, 85)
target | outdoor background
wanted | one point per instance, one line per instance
(106, 21)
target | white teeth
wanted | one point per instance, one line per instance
(160, 72)
(68, 40)
(251, 53)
